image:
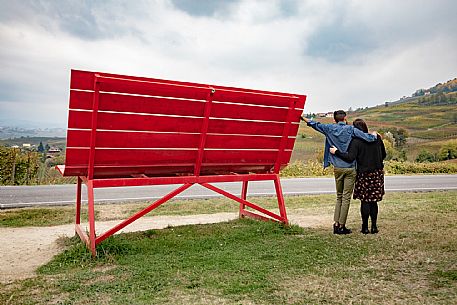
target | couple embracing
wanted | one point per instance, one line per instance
(357, 157)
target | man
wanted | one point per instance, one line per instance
(340, 135)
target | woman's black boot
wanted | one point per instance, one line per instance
(365, 213)
(374, 217)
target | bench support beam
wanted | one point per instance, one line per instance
(92, 240)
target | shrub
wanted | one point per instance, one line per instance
(314, 168)
(399, 168)
(448, 151)
(305, 169)
(392, 153)
(18, 167)
(426, 156)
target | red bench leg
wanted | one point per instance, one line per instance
(281, 205)
(91, 215)
(247, 203)
(244, 192)
(78, 202)
(78, 229)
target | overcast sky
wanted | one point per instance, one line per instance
(340, 53)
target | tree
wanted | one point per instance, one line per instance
(41, 147)
(426, 156)
(448, 151)
(390, 150)
(400, 135)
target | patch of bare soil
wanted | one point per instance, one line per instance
(23, 250)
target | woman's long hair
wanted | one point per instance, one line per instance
(360, 124)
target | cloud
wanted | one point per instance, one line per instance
(203, 8)
(342, 54)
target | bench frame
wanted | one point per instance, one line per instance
(92, 240)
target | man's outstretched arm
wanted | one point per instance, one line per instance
(369, 137)
(322, 128)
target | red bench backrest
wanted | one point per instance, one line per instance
(165, 128)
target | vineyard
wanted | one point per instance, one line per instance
(26, 167)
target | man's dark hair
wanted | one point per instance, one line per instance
(339, 115)
(360, 124)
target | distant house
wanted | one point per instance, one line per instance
(52, 152)
(324, 114)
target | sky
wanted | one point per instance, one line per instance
(340, 54)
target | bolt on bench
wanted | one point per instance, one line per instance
(136, 131)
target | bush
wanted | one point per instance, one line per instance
(426, 156)
(399, 168)
(305, 169)
(18, 167)
(315, 169)
(448, 151)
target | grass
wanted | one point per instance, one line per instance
(39, 217)
(411, 261)
(52, 216)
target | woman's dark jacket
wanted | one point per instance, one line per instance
(369, 155)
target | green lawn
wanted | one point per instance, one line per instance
(411, 261)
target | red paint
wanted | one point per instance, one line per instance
(132, 131)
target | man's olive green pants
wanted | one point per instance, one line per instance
(344, 180)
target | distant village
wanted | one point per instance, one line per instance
(49, 151)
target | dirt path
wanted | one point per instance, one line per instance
(23, 250)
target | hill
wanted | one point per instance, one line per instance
(447, 87)
(51, 141)
(429, 117)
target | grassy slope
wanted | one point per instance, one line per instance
(429, 127)
(411, 261)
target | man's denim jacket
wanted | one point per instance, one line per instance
(340, 136)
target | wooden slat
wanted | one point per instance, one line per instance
(155, 105)
(245, 142)
(248, 127)
(248, 156)
(119, 121)
(140, 157)
(125, 157)
(176, 169)
(149, 86)
(114, 139)
(82, 80)
(237, 111)
(250, 98)
(138, 104)
(154, 89)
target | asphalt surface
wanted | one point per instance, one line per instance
(56, 195)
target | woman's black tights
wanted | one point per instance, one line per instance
(369, 209)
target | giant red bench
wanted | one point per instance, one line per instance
(136, 131)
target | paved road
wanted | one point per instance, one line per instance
(26, 196)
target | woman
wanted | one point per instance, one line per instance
(369, 185)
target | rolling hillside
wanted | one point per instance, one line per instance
(429, 116)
